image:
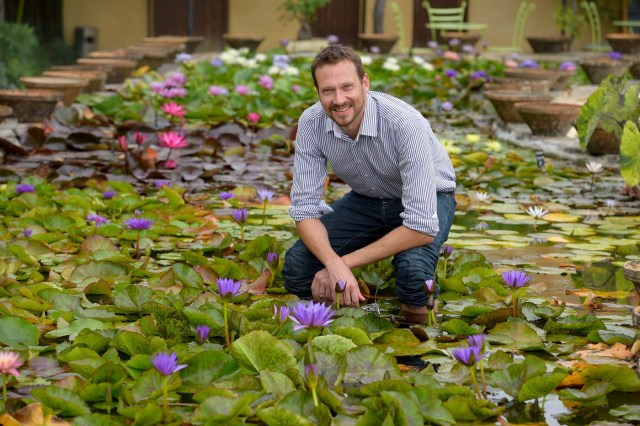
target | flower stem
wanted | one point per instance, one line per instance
(168, 155)
(165, 396)
(138, 246)
(337, 300)
(472, 370)
(264, 212)
(227, 339)
(484, 382)
(432, 317)
(312, 358)
(315, 397)
(242, 233)
(514, 304)
(444, 272)
(4, 388)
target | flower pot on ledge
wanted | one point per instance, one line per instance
(547, 118)
(597, 69)
(624, 42)
(384, 43)
(239, 41)
(504, 102)
(31, 105)
(557, 44)
(70, 87)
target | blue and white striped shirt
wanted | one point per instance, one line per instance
(394, 155)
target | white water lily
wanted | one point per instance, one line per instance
(428, 66)
(274, 70)
(450, 146)
(418, 60)
(483, 197)
(293, 71)
(366, 60)
(611, 203)
(391, 66)
(494, 146)
(594, 167)
(261, 57)
(537, 212)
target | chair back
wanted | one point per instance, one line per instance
(524, 9)
(397, 17)
(444, 14)
(594, 25)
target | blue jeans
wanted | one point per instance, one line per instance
(357, 221)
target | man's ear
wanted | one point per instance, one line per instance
(365, 82)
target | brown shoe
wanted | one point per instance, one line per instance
(411, 315)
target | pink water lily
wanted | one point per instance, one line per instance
(172, 140)
(174, 109)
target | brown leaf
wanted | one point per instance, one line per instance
(259, 285)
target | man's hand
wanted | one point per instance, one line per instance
(323, 287)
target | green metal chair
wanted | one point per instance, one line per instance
(594, 25)
(397, 16)
(444, 15)
(524, 9)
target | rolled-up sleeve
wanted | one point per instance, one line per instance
(309, 174)
(418, 178)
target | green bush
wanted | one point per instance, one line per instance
(18, 53)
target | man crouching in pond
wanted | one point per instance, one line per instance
(402, 184)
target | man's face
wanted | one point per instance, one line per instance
(342, 95)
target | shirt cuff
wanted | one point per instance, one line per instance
(425, 226)
(309, 211)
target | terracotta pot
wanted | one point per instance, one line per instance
(70, 87)
(624, 42)
(549, 44)
(547, 118)
(533, 74)
(5, 111)
(507, 83)
(115, 54)
(117, 69)
(631, 271)
(602, 142)
(598, 69)
(384, 43)
(31, 105)
(95, 78)
(238, 41)
(189, 43)
(504, 102)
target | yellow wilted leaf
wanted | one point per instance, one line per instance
(558, 239)
(573, 380)
(139, 72)
(561, 217)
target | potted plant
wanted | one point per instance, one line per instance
(569, 22)
(605, 113)
(597, 69)
(378, 42)
(304, 11)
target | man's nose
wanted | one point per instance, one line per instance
(340, 97)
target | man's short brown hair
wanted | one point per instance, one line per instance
(333, 54)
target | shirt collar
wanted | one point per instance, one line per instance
(369, 125)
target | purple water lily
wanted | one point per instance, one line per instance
(97, 219)
(446, 251)
(516, 279)
(447, 106)
(160, 183)
(138, 223)
(166, 363)
(476, 75)
(240, 215)
(228, 288)
(430, 286)
(109, 194)
(225, 195)
(202, 333)
(311, 315)
(615, 56)
(273, 259)
(27, 232)
(477, 340)
(340, 286)
(265, 194)
(23, 188)
(466, 356)
(281, 313)
(451, 73)
(529, 63)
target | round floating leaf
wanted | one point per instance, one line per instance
(333, 344)
(207, 367)
(18, 333)
(367, 364)
(259, 350)
(61, 401)
(94, 270)
(515, 333)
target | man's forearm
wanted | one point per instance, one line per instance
(396, 241)
(314, 235)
